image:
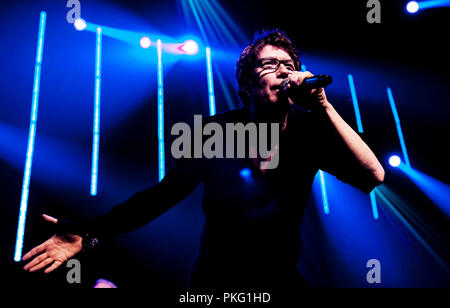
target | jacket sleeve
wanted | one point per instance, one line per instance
(147, 205)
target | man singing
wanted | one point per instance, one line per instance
(251, 237)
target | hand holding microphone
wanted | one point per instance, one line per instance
(306, 89)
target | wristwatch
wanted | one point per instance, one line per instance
(89, 241)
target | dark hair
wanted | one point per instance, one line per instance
(247, 60)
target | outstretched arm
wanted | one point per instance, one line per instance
(137, 211)
(147, 205)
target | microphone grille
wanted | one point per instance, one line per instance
(284, 83)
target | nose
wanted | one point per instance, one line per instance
(283, 72)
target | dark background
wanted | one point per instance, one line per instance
(408, 53)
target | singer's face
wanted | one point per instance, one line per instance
(268, 77)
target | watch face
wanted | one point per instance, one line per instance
(90, 242)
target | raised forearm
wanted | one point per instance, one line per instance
(361, 151)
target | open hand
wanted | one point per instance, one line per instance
(54, 251)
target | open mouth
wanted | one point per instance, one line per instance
(275, 87)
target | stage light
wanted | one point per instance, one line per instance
(412, 7)
(145, 42)
(399, 127)
(31, 140)
(245, 173)
(80, 24)
(189, 47)
(323, 189)
(96, 120)
(355, 103)
(395, 161)
(373, 202)
(161, 153)
(212, 99)
(437, 191)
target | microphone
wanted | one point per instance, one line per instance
(309, 83)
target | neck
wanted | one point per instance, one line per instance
(270, 113)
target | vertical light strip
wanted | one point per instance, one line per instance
(31, 138)
(355, 103)
(373, 200)
(161, 155)
(323, 189)
(212, 100)
(96, 126)
(399, 128)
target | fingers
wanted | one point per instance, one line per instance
(34, 251)
(44, 263)
(52, 267)
(50, 218)
(298, 77)
(36, 261)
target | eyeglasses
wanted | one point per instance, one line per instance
(274, 64)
